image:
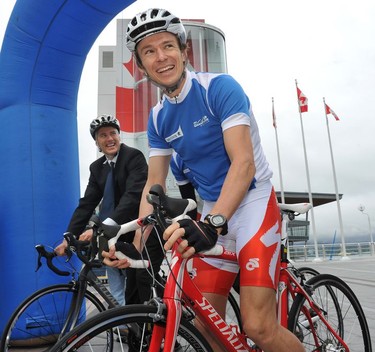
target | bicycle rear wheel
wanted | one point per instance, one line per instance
(139, 318)
(33, 326)
(342, 310)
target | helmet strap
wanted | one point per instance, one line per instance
(171, 89)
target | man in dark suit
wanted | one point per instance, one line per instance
(129, 177)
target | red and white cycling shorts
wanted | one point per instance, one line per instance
(254, 233)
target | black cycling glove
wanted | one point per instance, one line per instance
(199, 235)
(128, 249)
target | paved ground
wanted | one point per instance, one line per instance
(358, 273)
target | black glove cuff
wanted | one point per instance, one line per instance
(128, 249)
(88, 227)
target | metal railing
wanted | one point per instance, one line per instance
(330, 251)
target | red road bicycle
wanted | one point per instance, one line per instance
(324, 314)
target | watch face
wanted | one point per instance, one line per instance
(218, 220)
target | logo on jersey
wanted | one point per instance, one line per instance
(252, 264)
(186, 170)
(201, 122)
(174, 136)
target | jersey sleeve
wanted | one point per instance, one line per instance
(229, 102)
(158, 146)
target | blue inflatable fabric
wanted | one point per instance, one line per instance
(41, 61)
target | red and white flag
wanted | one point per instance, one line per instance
(330, 111)
(302, 101)
(273, 115)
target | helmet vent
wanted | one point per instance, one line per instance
(153, 21)
(145, 28)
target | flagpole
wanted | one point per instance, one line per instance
(308, 181)
(278, 153)
(344, 254)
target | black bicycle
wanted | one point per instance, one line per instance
(49, 313)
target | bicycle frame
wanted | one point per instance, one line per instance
(157, 327)
(287, 282)
(289, 285)
(180, 291)
(180, 287)
(86, 277)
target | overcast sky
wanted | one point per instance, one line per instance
(328, 46)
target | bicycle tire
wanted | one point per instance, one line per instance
(308, 272)
(304, 273)
(88, 334)
(347, 318)
(32, 326)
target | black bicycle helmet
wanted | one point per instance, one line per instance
(150, 22)
(101, 121)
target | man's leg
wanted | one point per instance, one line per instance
(131, 291)
(219, 303)
(139, 281)
(117, 283)
(258, 308)
(155, 254)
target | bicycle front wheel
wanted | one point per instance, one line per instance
(139, 320)
(37, 322)
(340, 308)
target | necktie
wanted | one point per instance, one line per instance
(108, 202)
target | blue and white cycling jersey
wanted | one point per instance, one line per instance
(192, 124)
(181, 173)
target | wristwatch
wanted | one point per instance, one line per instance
(218, 221)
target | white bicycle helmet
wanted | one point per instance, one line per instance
(150, 22)
(101, 121)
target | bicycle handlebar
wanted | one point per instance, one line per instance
(42, 252)
(84, 250)
(167, 210)
(125, 228)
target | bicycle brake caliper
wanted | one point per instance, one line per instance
(160, 308)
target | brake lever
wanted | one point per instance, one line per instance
(39, 260)
(48, 255)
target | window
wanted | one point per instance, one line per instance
(107, 59)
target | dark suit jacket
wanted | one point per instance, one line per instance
(130, 176)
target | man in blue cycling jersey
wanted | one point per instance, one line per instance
(207, 120)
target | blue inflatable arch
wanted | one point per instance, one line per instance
(41, 61)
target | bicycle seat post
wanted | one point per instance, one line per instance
(284, 237)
